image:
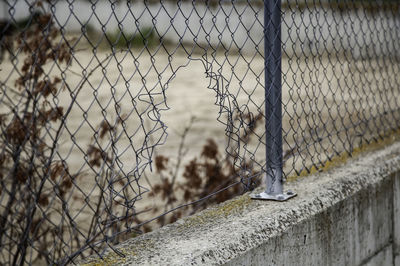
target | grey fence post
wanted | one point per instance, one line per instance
(273, 103)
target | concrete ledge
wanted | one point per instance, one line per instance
(346, 216)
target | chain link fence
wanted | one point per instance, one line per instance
(117, 117)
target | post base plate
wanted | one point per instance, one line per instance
(277, 197)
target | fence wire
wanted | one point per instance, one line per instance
(117, 117)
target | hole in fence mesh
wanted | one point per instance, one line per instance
(113, 114)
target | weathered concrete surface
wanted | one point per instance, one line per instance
(346, 216)
(383, 258)
(396, 220)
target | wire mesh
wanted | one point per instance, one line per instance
(118, 117)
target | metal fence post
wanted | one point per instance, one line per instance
(273, 103)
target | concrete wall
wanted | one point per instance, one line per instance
(346, 216)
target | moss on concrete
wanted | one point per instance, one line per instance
(225, 209)
(112, 258)
(343, 157)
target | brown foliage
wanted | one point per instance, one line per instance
(32, 178)
(204, 175)
(161, 162)
(41, 184)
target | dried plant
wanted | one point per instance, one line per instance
(207, 173)
(37, 186)
(103, 161)
(34, 185)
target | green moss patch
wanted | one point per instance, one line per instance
(345, 156)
